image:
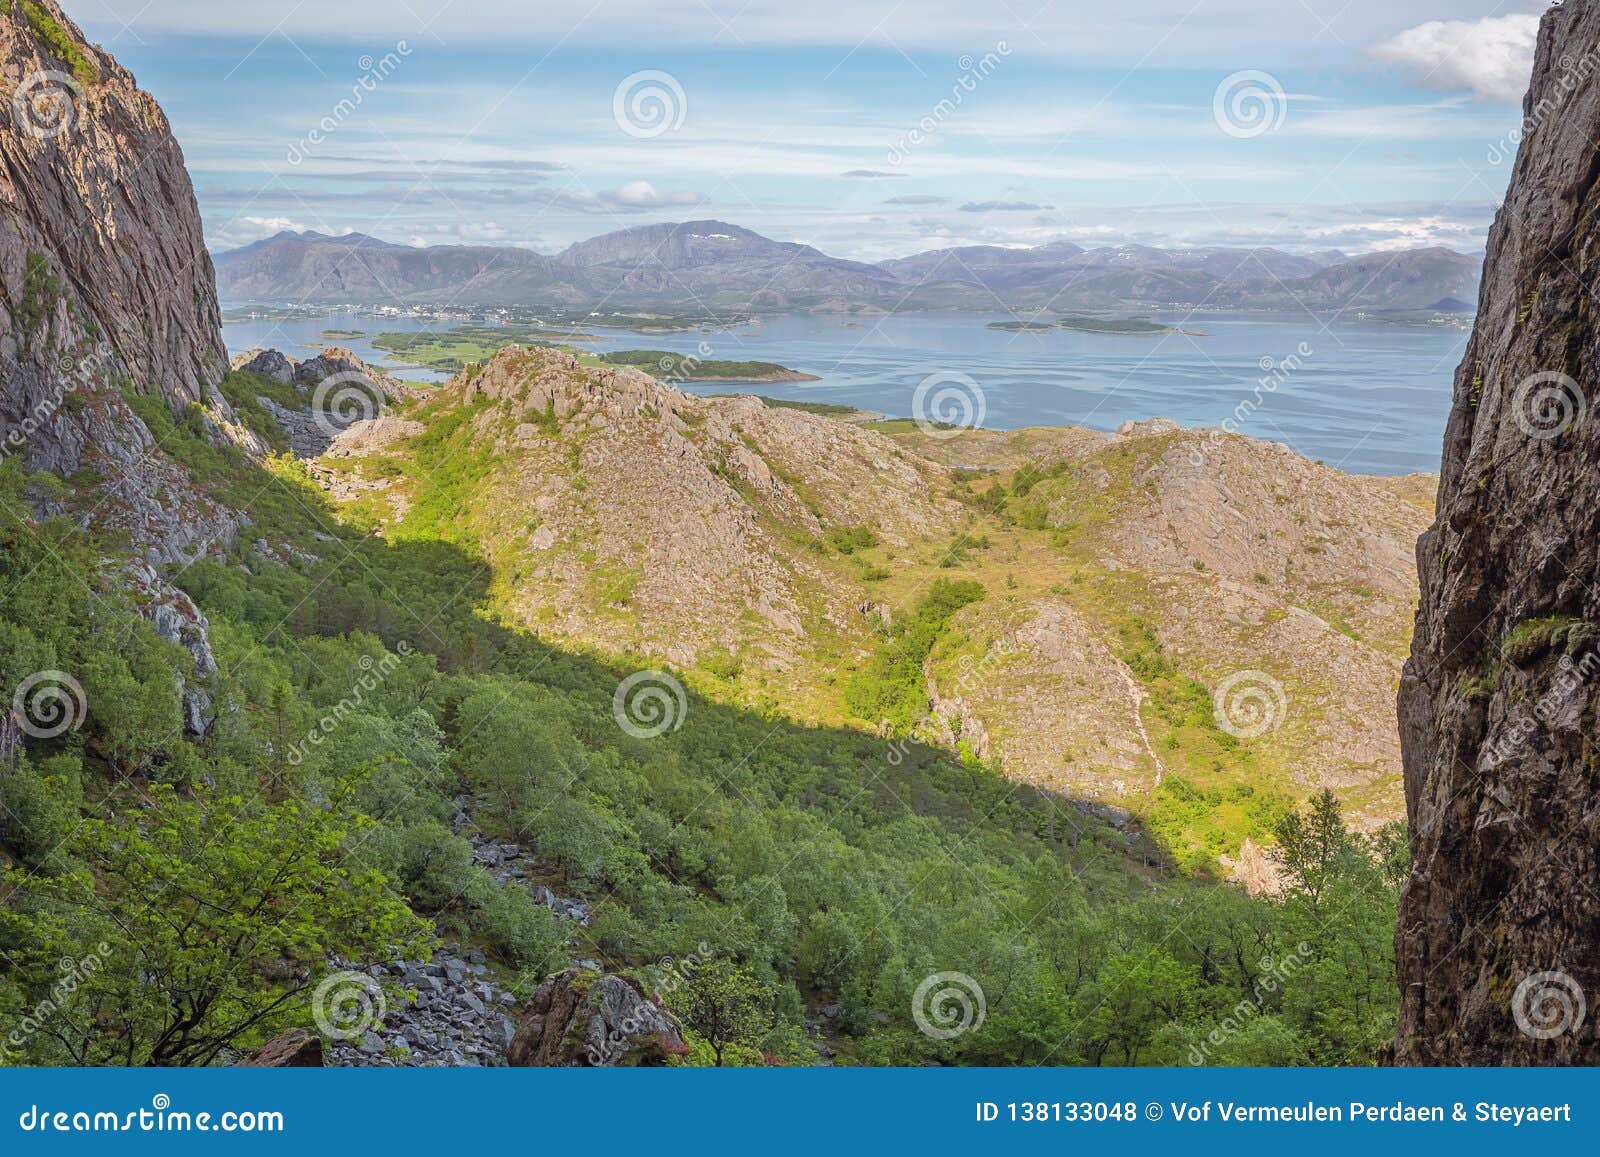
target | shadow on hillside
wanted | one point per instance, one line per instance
(434, 596)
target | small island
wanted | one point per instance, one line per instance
(449, 351)
(688, 368)
(1135, 326)
(1022, 326)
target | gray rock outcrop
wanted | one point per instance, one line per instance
(268, 364)
(177, 620)
(1498, 943)
(579, 1018)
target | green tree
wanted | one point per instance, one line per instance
(39, 809)
(1135, 995)
(209, 923)
(1314, 845)
(726, 1005)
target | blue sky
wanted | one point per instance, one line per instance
(870, 130)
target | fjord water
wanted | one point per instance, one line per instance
(1369, 397)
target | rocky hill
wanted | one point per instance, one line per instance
(705, 266)
(1498, 949)
(696, 266)
(1067, 270)
(1414, 279)
(1213, 278)
(768, 553)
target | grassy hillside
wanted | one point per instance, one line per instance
(369, 683)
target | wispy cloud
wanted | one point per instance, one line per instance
(1002, 207)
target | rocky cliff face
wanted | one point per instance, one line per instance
(106, 291)
(106, 302)
(1499, 936)
(99, 234)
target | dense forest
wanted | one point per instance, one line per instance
(168, 898)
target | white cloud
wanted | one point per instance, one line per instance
(1492, 58)
(243, 230)
(644, 195)
(1002, 207)
(270, 225)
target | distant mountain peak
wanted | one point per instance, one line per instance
(350, 238)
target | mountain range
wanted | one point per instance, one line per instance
(711, 265)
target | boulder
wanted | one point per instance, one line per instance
(268, 364)
(578, 1018)
(295, 1049)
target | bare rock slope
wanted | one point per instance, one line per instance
(1499, 935)
(1180, 557)
(628, 515)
